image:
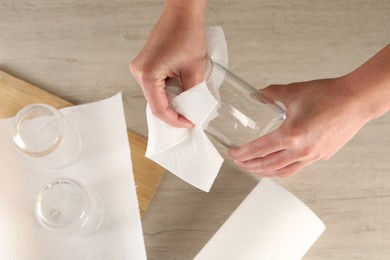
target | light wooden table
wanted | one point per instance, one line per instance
(80, 50)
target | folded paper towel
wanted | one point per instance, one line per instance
(270, 224)
(188, 153)
(104, 166)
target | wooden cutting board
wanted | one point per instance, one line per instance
(16, 94)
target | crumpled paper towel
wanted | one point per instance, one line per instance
(104, 166)
(270, 224)
(188, 153)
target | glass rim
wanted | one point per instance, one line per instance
(277, 106)
(80, 221)
(21, 116)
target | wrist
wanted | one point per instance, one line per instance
(353, 95)
(369, 85)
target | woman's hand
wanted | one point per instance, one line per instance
(176, 48)
(321, 118)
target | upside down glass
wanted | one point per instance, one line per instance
(243, 114)
(42, 134)
(66, 207)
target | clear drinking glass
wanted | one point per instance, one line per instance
(66, 207)
(42, 134)
(243, 113)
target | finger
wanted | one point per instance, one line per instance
(260, 147)
(158, 102)
(153, 88)
(269, 163)
(287, 171)
(190, 78)
(290, 169)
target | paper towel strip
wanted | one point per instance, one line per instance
(104, 166)
(188, 153)
(270, 224)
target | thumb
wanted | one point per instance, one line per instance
(276, 93)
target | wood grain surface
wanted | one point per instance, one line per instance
(16, 94)
(80, 50)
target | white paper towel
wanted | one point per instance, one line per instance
(188, 153)
(270, 224)
(104, 166)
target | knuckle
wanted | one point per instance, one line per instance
(308, 152)
(263, 166)
(133, 67)
(145, 73)
(142, 72)
(316, 152)
(254, 147)
(292, 140)
(270, 164)
(198, 75)
(290, 136)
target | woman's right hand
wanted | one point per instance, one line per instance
(175, 48)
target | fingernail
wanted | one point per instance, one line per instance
(189, 125)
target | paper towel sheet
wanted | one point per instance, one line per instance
(104, 166)
(188, 153)
(270, 224)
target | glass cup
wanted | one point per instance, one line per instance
(43, 135)
(243, 114)
(66, 207)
